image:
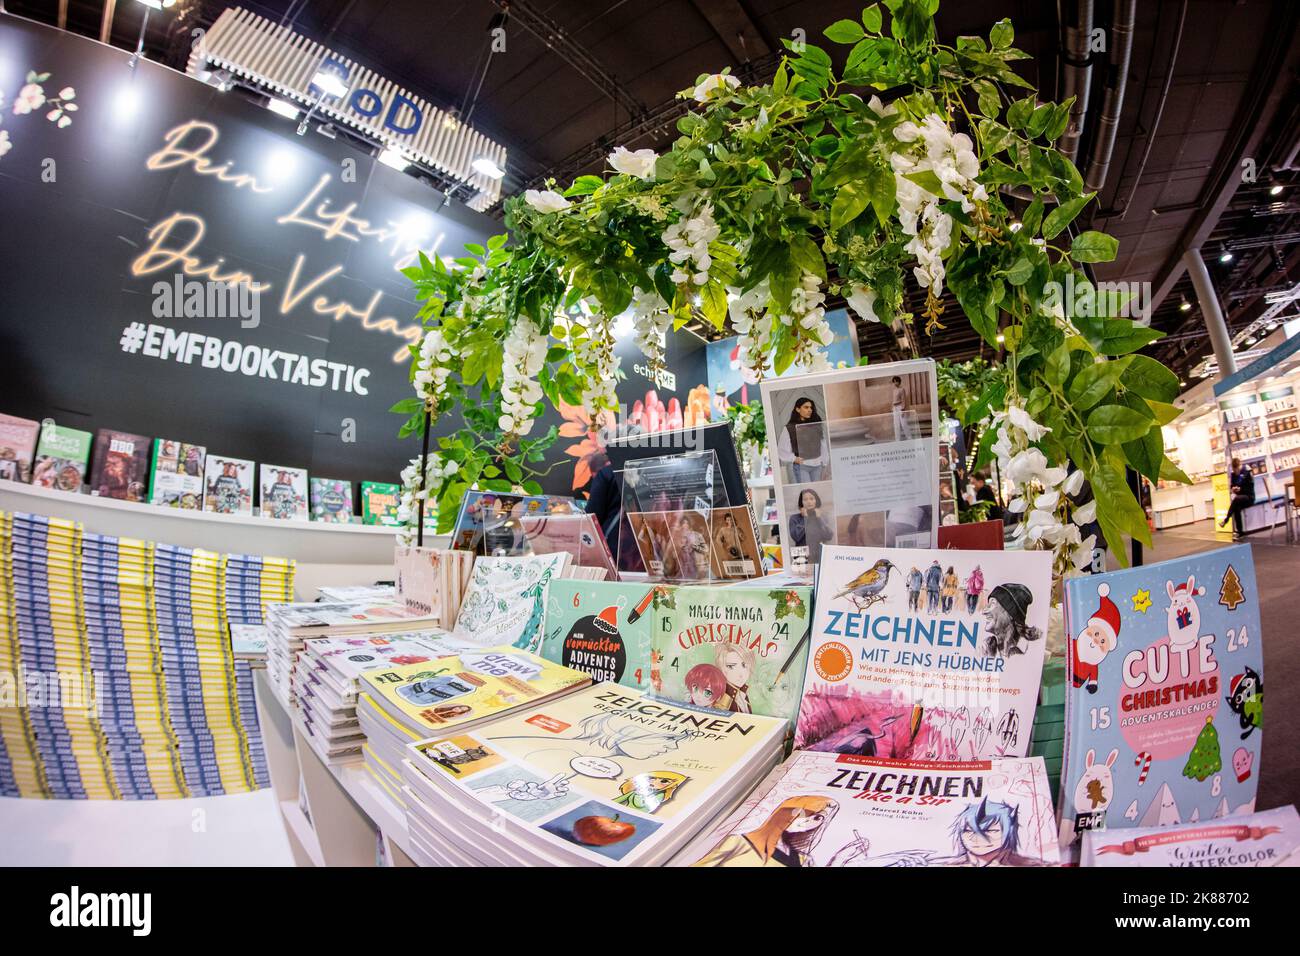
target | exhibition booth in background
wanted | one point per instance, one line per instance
(813, 637)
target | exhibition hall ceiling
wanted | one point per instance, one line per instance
(1206, 128)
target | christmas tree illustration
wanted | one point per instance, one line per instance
(1204, 758)
(1230, 593)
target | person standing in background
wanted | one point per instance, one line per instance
(800, 444)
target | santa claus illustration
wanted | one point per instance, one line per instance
(1090, 647)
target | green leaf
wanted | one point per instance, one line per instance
(713, 303)
(1117, 509)
(1033, 217)
(1092, 384)
(993, 397)
(584, 186)
(407, 405)
(1058, 366)
(1093, 246)
(1019, 112)
(1002, 35)
(807, 256)
(1063, 215)
(1121, 336)
(1164, 413)
(844, 31)
(881, 187)
(1171, 472)
(1146, 453)
(850, 200)
(1150, 379)
(1020, 272)
(1115, 424)
(871, 18)
(928, 181)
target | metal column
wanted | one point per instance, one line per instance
(1211, 311)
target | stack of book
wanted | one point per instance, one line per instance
(828, 809)
(400, 705)
(357, 592)
(433, 581)
(604, 776)
(325, 683)
(253, 582)
(289, 625)
(248, 643)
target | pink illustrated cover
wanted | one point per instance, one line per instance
(17, 447)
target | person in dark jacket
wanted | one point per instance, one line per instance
(1242, 481)
(605, 500)
(984, 492)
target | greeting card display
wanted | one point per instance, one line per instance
(1164, 704)
(176, 476)
(855, 458)
(228, 485)
(926, 654)
(331, 500)
(284, 492)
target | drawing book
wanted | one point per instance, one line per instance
(18, 446)
(604, 628)
(283, 492)
(228, 485)
(925, 654)
(331, 500)
(1164, 703)
(120, 465)
(603, 776)
(1267, 838)
(826, 809)
(742, 650)
(506, 600)
(379, 503)
(61, 458)
(176, 476)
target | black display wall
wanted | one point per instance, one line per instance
(156, 180)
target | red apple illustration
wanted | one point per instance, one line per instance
(602, 831)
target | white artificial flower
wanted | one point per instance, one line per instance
(1017, 505)
(1047, 500)
(5, 144)
(640, 164)
(1026, 466)
(712, 83)
(545, 200)
(1074, 483)
(862, 300)
(1020, 419)
(1085, 514)
(30, 97)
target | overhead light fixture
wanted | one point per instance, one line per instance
(329, 83)
(1184, 306)
(149, 7)
(1276, 190)
(282, 108)
(1225, 256)
(393, 158)
(157, 4)
(488, 168)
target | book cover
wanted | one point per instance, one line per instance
(826, 809)
(120, 465)
(62, 455)
(605, 774)
(742, 650)
(18, 445)
(331, 500)
(926, 654)
(505, 602)
(283, 492)
(1164, 703)
(577, 534)
(228, 485)
(604, 628)
(379, 503)
(350, 656)
(176, 478)
(1267, 838)
(481, 526)
(436, 695)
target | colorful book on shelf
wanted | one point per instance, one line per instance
(926, 654)
(1164, 706)
(738, 649)
(62, 456)
(120, 465)
(1264, 839)
(486, 522)
(283, 492)
(228, 485)
(505, 602)
(379, 502)
(176, 477)
(603, 776)
(825, 809)
(331, 500)
(604, 628)
(17, 447)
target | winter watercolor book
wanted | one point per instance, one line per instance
(742, 650)
(1268, 838)
(925, 654)
(825, 809)
(505, 602)
(1165, 696)
(604, 629)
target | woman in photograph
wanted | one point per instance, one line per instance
(808, 528)
(898, 399)
(803, 448)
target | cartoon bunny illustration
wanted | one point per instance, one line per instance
(1094, 792)
(1184, 617)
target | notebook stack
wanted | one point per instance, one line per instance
(400, 705)
(325, 683)
(604, 776)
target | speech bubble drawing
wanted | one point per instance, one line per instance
(596, 767)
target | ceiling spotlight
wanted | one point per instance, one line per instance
(282, 108)
(329, 83)
(1276, 190)
(1184, 306)
(1225, 256)
(488, 168)
(393, 159)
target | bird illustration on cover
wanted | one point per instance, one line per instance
(869, 586)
